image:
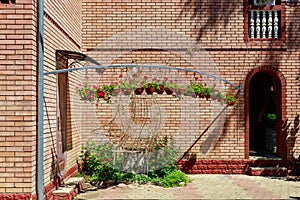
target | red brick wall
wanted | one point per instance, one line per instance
(17, 97)
(18, 90)
(218, 28)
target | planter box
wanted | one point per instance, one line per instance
(264, 2)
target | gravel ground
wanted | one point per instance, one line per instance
(205, 187)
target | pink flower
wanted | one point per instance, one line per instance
(100, 94)
(86, 91)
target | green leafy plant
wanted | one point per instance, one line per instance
(98, 166)
(175, 178)
(296, 166)
(270, 119)
(230, 96)
(87, 92)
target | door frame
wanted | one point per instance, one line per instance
(280, 94)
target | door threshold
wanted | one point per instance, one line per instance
(262, 155)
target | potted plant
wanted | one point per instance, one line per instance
(269, 120)
(207, 92)
(188, 91)
(105, 92)
(149, 87)
(86, 92)
(230, 97)
(264, 2)
(198, 89)
(169, 86)
(125, 87)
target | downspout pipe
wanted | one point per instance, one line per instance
(40, 131)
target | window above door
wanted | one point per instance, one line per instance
(264, 20)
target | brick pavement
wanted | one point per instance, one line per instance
(204, 186)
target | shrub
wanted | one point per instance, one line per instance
(98, 166)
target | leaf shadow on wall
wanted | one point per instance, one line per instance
(206, 20)
(291, 133)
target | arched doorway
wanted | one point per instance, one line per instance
(263, 95)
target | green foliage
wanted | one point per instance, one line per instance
(296, 166)
(270, 119)
(175, 178)
(86, 92)
(98, 166)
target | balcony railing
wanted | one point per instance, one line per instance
(264, 24)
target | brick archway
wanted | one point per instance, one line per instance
(279, 84)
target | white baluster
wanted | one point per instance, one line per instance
(251, 24)
(276, 24)
(264, 23)
(270, 24)
(257, 24)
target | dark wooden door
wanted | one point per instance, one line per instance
(61, 120)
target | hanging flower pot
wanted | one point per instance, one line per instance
(231, 103)
(127, 91)
(200, 95)
(116, 92)
(179, 91)
(160, 89)
(139, 91)
(169, 91)
(150, 90)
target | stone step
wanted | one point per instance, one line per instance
(70, 189)
(267, 171)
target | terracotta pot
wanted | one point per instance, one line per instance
(150, 90)
(169, 91)
(116, 92)
(139, 91)
(179, 91)
(127, 91)
(230, 103)
(161, 89)
(200, 95)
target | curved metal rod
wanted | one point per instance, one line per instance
(140, 66)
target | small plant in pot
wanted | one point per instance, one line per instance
(105, 92)
(125, 87)
(198, 89)
(207, 92)
(230, 97)
(169, 86)
(87, 92)
(149, 87)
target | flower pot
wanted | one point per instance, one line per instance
(230, 103)
(169, 91)
(161, 89)
(200, 95)
(101, 94)
(207, 97)
(127, 91)
(150, 90)
(214, 97)
(116, 92)
(179, 91)
(139, 91)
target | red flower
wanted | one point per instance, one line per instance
(100, 94)
(121, 76)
